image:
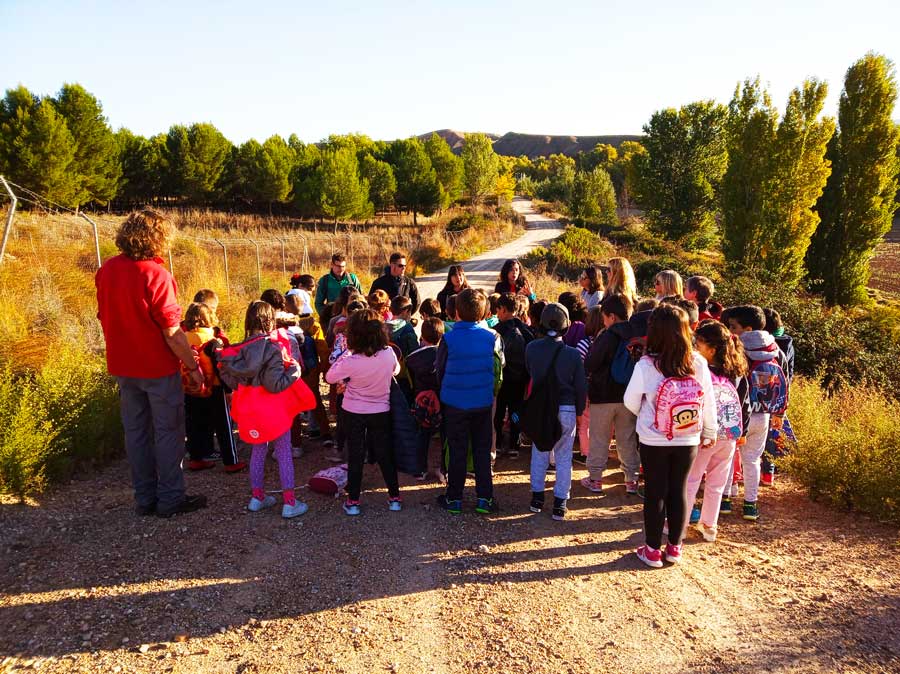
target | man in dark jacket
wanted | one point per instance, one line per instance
(395, 281)
(516, 336)
(606, 394)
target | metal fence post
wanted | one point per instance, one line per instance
(283, 257)
(96, 238)
(225, 260)
(9, 218)
(304, 261)
(171, 264)
(258, 269)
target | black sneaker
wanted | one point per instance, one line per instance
(454, 507)
(145, 510)
(486, 506)
(559, 508)
(537, 501)
(188, 504)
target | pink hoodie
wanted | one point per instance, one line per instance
(368, 380)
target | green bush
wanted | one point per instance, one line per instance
(64, 415)
(848, 449)
(574, 250)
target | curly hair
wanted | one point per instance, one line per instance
(365, 332)
(144, 235)
(729, 359)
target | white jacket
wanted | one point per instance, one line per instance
(640, 398)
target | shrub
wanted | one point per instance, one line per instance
(848, 449)
(568, 254)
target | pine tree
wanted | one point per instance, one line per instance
(859, 200)
(481, 167)
(344, 194)
(418, 189)
(678, 177)
(16, 108)
(382, 184)
(96, 153)
(139, 159)
(594, 198)
(196, 158)
(447, 166)
(276, 180)
(307, 177)
(44, 155)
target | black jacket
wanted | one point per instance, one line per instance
(420, 365)
(786, 344)
(516, 336)
(398, 285)
(602, 388)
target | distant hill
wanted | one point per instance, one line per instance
(533, 145)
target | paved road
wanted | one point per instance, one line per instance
(484, 270)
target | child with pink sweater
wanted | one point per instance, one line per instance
(366, 368)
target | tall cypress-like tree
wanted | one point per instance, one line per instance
(96, 154)
(418, 189)
(481, 167)
(859, 201)
(447, 166)
(678, 178)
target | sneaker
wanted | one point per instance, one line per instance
(289, 511)
(256, 505)
(187, 505)
(708, 533)
(296, 452)
(767, 479)
(202, 464)
(486, 506)
(595, 486)
(631, 488)
(513, 453)
(640, 491)
(673, 553)
(328, 442)
(751, 511)
(559, 509)
(725, 508)
(421, 476)
(236, 467)
(649, 556)
(537, 501)
(351, 507)
(580, 459)
(695, 515)
(395, 503)
(454, 507)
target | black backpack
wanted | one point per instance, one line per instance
(540, 412)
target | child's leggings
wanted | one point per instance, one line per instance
(365, 431)
(666, 468)
(281, 448)
(715, 461)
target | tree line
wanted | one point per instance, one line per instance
(63, 148)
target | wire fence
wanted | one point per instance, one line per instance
(40, 231)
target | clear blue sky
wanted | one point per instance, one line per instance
(393, 69)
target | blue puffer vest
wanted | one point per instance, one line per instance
(468, 381)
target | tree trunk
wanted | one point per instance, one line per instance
(415, 223)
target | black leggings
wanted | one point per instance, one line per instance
(370, 431)
(665, 476)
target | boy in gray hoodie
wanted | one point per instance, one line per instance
(747, 322)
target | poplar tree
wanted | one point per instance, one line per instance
(594, 198)
(678, 178)
(858, 204)
(448, 168)
(481, 167)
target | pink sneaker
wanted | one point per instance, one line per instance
(595, 486)
(650, 556)
(673, 553)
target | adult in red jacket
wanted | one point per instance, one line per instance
(140, 315)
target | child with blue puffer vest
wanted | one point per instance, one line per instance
(465, 369)
(769, 386)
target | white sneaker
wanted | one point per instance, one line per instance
(708, 533)
(289, 511)
(256, 505)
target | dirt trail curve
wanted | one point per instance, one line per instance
(484, 270)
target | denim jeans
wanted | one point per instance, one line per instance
(562, 452)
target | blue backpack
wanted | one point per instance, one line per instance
(768, 386)
(628, 353)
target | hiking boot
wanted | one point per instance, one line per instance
(673, 553)
(559, 509)
(751, 511)
(295, 510)
(595, 486)
(486, 506)
(452, 506)
(236, 467)
(631, 488)
(201, 464)
(256, 504)
(395, 504)
(537, 501)
(650, 556)
(708, 533)
(767, 479)
(726, 508)
(695, 515)
(187, 505)
(351, 507)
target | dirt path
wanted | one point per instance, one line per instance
(86, 586)
(484, 270)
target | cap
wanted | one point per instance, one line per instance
(555, 319)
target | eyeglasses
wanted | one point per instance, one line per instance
(400, 266)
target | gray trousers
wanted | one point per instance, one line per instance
(605, 417)
(153, 419)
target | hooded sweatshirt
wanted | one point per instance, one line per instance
(403, 335)
(760, 346)
(257, 362)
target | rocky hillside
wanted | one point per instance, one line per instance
(533, 145)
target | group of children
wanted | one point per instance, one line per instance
(685, 391)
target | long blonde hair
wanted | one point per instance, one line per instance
(670, 283)
(621, 279)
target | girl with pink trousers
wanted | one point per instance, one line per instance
(728, 367)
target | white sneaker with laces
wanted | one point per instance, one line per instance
(289, 511)
(256, 505)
